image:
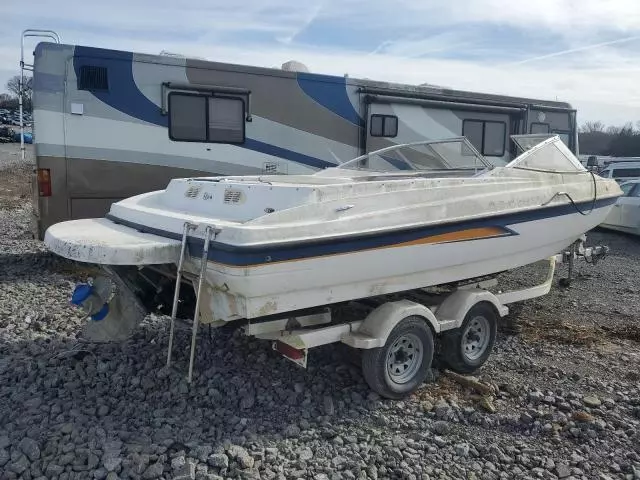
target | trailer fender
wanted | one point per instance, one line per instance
(375, 329)
(454, 308)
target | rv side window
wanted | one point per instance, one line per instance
(203, 118)
(384, 125)
(494, 134)
(539, 128)
(187, 117)
(226, 120)
(488, 137)
(473, 129)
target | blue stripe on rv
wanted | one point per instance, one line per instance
(331, 93)
(128, 99)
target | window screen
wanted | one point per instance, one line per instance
(635, 192)
(226, 120)
(384, 126)
(188, 117)
(488, 137)
(539, 128)
(203, 118)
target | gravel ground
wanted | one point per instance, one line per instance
(566, 403)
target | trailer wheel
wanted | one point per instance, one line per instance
(467, 348)
(399, 367)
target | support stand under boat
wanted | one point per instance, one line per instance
(591, 255)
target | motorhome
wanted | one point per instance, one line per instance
(111, 124)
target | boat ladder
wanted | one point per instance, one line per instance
(209, 233)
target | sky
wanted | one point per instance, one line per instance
(586, 52)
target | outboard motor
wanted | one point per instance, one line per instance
(92, 299)
(113, 310)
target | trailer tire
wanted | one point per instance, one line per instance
(467, 348)
(398, 368)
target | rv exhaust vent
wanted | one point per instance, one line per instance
(274, 168)
(270, 168)
(192, 191)
(93, 78)
(232, 196)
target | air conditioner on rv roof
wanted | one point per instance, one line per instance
(294, 66)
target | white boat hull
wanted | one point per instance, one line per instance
(285, 243)
(234, 292)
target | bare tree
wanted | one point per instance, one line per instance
(13, 86)
(592, 127)
(8, 101)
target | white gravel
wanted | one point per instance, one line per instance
(568, 401)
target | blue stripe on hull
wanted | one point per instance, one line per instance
(244, 256)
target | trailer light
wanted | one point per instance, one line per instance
(44, 182)
(288, 351)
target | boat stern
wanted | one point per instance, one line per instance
(103, 242)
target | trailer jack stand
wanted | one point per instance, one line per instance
(591, 255)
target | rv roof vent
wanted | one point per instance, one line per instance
(431, 85)
(165, 53)
(294, 66)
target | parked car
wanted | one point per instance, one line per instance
(625, 216)
(622, 171)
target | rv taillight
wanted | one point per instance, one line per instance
(44, 182)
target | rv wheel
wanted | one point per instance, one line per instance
(399, 367)
(465, 349)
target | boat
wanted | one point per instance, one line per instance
(283, 253)
(403, 217)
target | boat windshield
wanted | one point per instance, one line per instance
(550, 155)
(528, 141)
(428, 155)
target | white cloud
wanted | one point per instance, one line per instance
(585, 62)
(562, 16)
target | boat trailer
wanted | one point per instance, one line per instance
(396, 333)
